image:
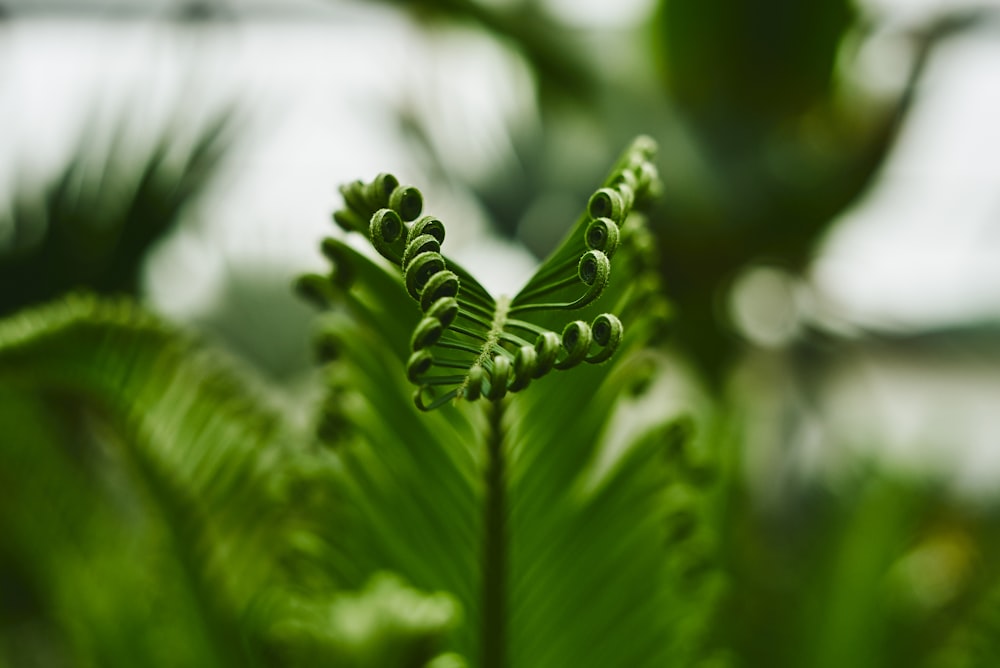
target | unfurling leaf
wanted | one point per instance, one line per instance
(468, 344)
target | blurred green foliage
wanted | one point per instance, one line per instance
(161, 511)
(160, 507)
(91, 224)
(748, 65)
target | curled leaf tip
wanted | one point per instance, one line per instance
(467, 344)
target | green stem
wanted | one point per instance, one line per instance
(495, 543)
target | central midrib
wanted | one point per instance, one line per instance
(495, 538)
(492, 338)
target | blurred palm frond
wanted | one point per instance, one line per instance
(90, 225)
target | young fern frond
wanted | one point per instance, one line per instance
(520, 509)
(468, 345)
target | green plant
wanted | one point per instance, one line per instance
(89, 225)
(562, 524)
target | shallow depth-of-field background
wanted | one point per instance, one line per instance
(828, 235)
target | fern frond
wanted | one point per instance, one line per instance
(89, 571)
(211, 453)
(613, 551)
(469, 345)
(409, 487)
(567, 541)
(222, 468)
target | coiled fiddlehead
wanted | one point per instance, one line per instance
(469, 345)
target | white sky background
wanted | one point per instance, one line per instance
(918, 250)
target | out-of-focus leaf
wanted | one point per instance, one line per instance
(385, 624)
(776, 159)
(87, 576)
(756, 63)
(227, 502)
(885, 571)
(543, 43)
(91, 224)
